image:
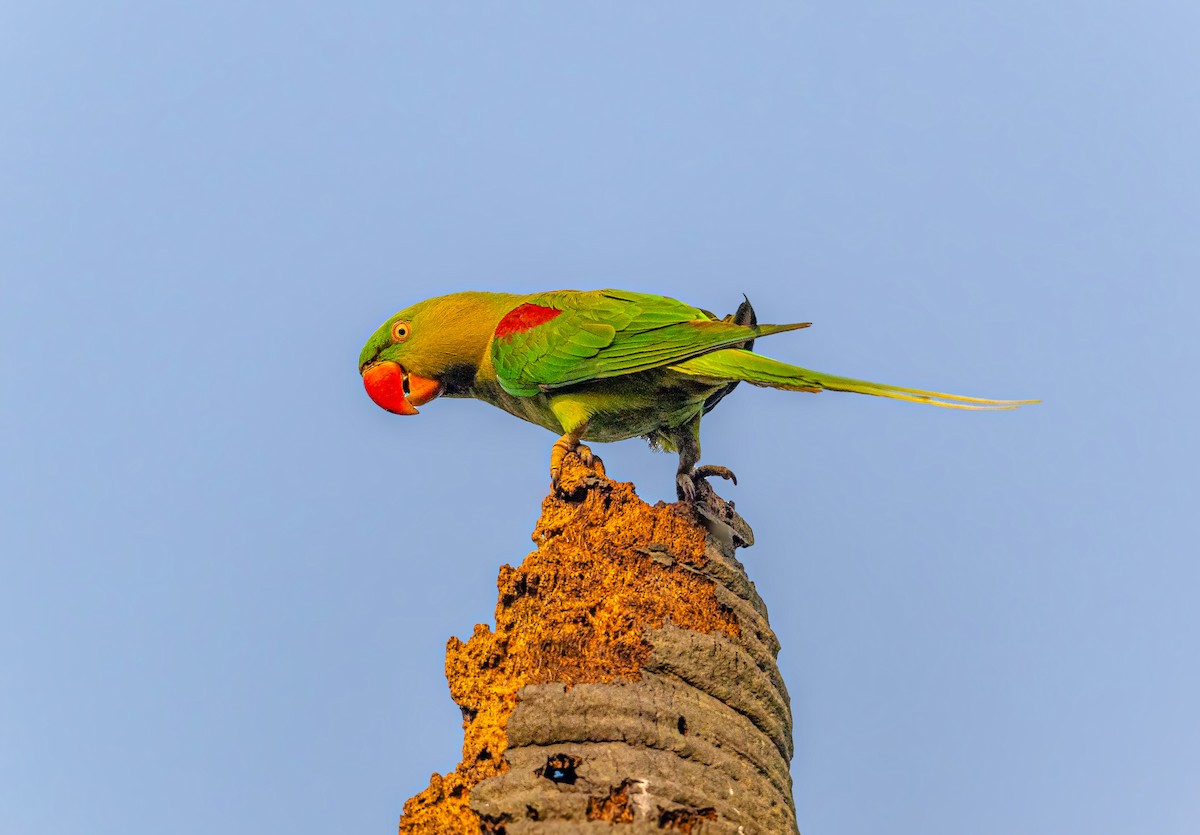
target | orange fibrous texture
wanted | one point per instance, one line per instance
(608, 568)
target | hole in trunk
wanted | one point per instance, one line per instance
(560, 768)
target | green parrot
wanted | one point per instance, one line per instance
(599, 365)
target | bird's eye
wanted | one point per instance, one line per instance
(400, 331)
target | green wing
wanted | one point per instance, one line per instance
(567, 337)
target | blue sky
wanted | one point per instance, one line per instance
(227, 579)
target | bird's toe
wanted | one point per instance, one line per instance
(590, 459)
(687, 484)
(685, 487)
(712, 469)
(585, 454)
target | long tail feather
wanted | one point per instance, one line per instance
(733, 364)
(767, 330)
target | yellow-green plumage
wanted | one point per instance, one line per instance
(601, 365)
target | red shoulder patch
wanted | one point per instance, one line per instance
(525, 317)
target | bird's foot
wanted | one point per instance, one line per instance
(591, 459)
(559, 452)
(686, 483)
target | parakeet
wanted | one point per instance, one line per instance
(598, 365)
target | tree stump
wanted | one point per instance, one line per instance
(630, 685)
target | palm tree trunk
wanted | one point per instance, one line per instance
(630, 679)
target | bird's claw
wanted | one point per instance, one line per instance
(685, 483)
(712, 469)
(589, 458)
(559, 453)
(685, 488)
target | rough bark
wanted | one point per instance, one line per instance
(630, 685)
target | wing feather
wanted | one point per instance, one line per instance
(608, 333)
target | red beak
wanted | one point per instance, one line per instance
(394, 389)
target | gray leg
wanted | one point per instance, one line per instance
(687, 441)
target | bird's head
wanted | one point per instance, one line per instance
(400, 363)
(431, 348)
